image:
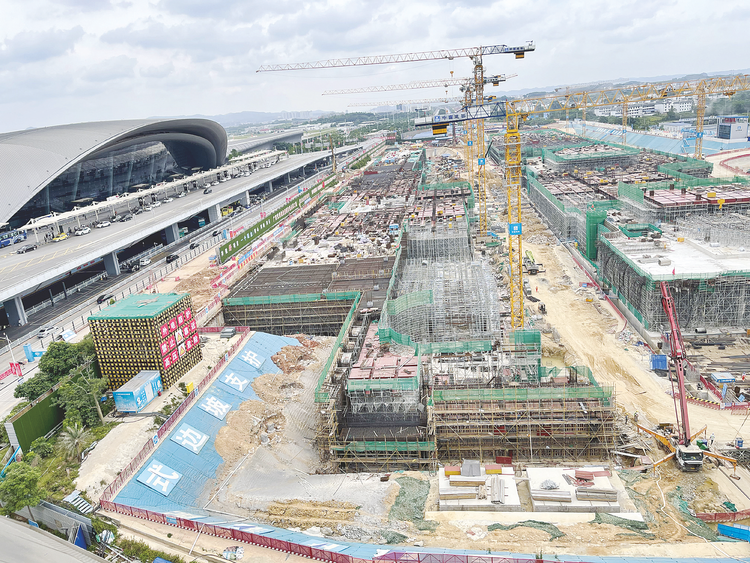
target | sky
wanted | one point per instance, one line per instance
(67, 61)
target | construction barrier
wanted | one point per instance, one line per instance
(724, 516)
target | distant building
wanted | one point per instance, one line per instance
(643, 109)
(732, 127)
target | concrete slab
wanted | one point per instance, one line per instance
(445, 489)
(539, 474)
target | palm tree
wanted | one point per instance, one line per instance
(74, 439)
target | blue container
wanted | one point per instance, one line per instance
(138, 392)
(738, 442)
(658, 361)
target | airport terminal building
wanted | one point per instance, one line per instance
(53, 169)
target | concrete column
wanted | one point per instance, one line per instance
(112, 264)
(269, 186)
(172, 232)
(245, 198)
(288, 177)
(15, 311)
(214, 213)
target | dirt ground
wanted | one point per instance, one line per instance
(720, 171)
(193, 278)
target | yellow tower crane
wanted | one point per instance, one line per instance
(515, 111)
(476, 55)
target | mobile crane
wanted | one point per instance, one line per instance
(689, 457)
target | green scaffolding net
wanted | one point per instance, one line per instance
(408, 301)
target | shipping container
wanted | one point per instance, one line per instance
(138, 392)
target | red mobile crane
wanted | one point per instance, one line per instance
(689, 456)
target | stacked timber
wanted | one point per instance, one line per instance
(551, 495)
(593, 493)
(466, 481)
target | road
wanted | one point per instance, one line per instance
(20, 273)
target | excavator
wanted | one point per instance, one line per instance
(677, 438)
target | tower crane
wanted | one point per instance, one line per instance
(407, 102)
(417, 84)
(515, 111)
(476, 54)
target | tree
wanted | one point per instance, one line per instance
(79, 395)
(56, 363)
(42, 447)
(20, 488)
(73, 440)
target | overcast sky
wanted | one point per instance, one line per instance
(67, 61)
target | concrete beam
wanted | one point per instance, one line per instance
(112, 264)
(172, 232)
(16, 312)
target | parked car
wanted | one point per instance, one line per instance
(83, 231)
(156, 204)
(104, 297)
(182, 194)
(61, 236)
(103, 224)
(148, 208)
(126, 218)
(172, 257)
(131, 267)
(214, 183)
(137, 211)
(207, 191)
(144, 261)
(169, 199)
(26, 248)
(194, 245)
(46, 331)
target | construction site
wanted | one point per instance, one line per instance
(440, 350)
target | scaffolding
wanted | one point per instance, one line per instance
(726, 229)
(316, 313)
(701, 299)
(477, 410)
(439, 292)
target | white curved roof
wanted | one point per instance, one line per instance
(31, 159)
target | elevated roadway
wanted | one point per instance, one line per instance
(24, 273)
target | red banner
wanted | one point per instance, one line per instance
(14, 369)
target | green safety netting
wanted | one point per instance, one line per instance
(296, 298)
(635, 230)
(409, 300)
(389, 384)
(323, 396)
(384, 446)
(523, 394)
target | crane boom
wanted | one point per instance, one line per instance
(449, 54)
(437, 83)
(677, 352)
(406, 102)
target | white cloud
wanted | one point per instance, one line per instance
(66, 60)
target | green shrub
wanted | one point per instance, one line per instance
(141, 550)
(42, 447)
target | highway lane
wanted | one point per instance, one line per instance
(22, 272)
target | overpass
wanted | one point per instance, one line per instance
(26, 273)
(265, 141)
